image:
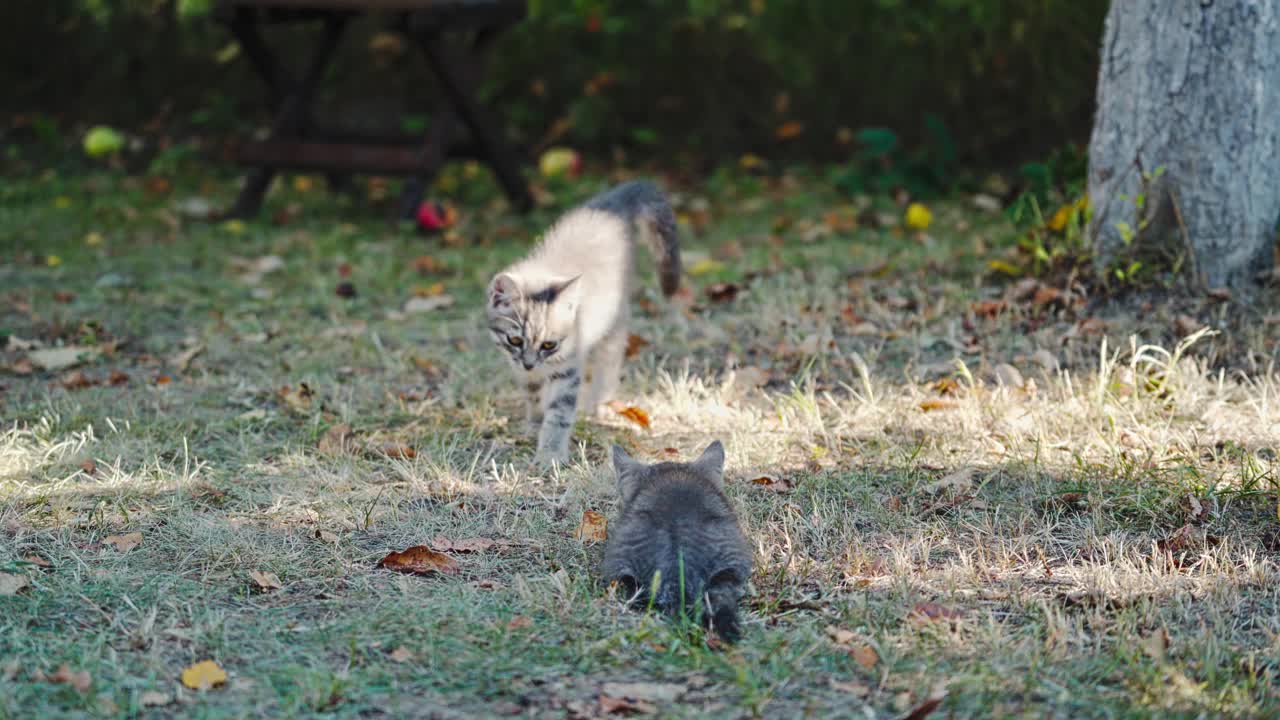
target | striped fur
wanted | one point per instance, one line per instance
(675, 525)
(562, 314)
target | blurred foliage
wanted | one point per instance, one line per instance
(904, 88)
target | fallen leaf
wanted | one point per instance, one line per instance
(125, 542)
(654, 692)
(840, 636)
(89, 467)
(864, 655)
(988, 308)
(326, 536)
(772, 482)
(519, 622)
(938, 404)
(37, 561)
(401, 654)
(1156, 645)
(398, 451)
(337, 440)
(10, 584)
(182, 360)
(634, 344)
(154, 698)
(266, 580)
(421, 560)
(117, 378)
(81, 680)
(163, 380)
(789, 130)
(53, 359)
(705, 266)
(610, 705)
(593, 528)
(427, 304)
(432, 290)
(722, 292)
(297, 399)
(918, 217)
(428, 265)
(76, 380)
(22, 366)
(925, 708)
(632, 413)
(1185, 325)
(932, 612)
(204, 675)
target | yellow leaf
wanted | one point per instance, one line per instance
(1058, 222)
(705, 266)
(229, 52)
(93, 239)
(62, 202)
(750, 162)
(936, 404)
(1001, 266)
(918, 216)
(53, 261)
(204, 675)
(303, 183)
(593, 528)
(235, 227)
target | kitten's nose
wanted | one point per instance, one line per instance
(528, 364)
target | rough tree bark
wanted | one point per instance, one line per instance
(1189, 99)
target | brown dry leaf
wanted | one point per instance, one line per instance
(163, 380)
(421, 560)
(89, 467)
(117, 378)
(634, 344)
(772, 482)
(957, 481)
(938, 404)
(1156, 645)
(925, 708)
(401, 654)
(519, 622)
(22, 366)
(76, 380)
(1046, 295)
(864, 655)
(37, 561)
(988, 308)
(326, 536)
(1091, 326)
(125, 542)
(337, 440)
(154, 698)
(593, 528)
(428, 265)
(840, 636)
(204, 675)
(11, 584)
(722, 292)
(610, 705)
(789, 130)
(297, 399)
(81, 680)
(397, 450)
(266, 580)
(630, 412)
(932, 612)
(1185, 325)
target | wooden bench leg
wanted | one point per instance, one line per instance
(293, 111)
(489, 141)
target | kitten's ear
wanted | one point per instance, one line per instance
(711, 461)
(503, 289)
(626, 467)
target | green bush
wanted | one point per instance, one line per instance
(1003, 80)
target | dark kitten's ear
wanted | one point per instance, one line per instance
(502, 289)
(711, 462)
(627, 468)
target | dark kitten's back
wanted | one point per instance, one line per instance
(676, 525)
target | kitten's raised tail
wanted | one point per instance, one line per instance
(652, 223)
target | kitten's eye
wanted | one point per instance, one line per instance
(514, 340)
(550, 346)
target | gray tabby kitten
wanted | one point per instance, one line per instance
(677, 542)
(562, 313)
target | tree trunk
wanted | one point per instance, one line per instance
(1184, 155)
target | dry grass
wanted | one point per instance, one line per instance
(1097, 538)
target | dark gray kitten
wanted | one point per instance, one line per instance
(677, 542)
